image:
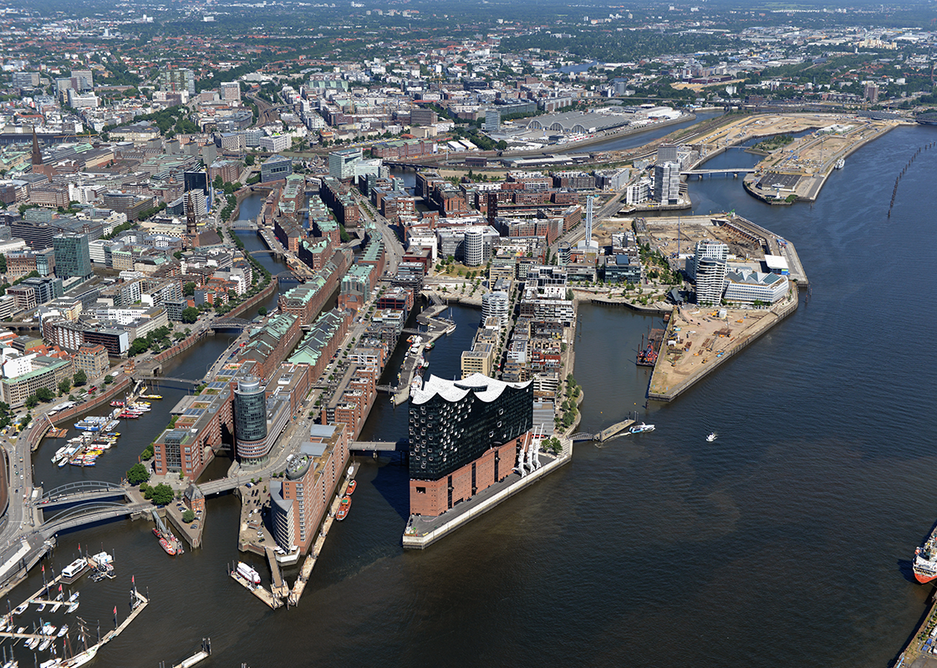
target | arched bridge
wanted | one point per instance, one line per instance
(90, 513)
(165, 380)
(83, 490)
(230, 323)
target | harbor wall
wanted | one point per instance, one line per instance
(411, 542)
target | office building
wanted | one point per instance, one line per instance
(751, 287)
(72, 255)
(92, 359)
(492, 120)
(342, 163)
(464, 436)
(250, 419)
(275, 168)
(300, 499)
(474, 247)
(231, 92)
(709, 271)
(667, 183)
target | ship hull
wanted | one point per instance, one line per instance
(924, 578)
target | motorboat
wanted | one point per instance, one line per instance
(712, 437)
(641, 428)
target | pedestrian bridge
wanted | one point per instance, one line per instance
(90, 513)
(81, 492)
(374, 446)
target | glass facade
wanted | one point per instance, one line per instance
(250, 411)
(72, 256)
(446, 435)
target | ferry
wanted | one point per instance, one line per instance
(925, 559)
(343, 507)
(640, 428)
(248, 573)
(351, 487)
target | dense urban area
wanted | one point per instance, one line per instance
(401, 158)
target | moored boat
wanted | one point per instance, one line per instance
(248, 573)
(641, 428)
(343, 508)
(925, 559)
(351, 487)
(167, 546)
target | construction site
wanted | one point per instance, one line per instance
(699, 339)
(676, 237)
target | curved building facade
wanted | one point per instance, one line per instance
(474, 248)
(250, 419)
(496, 304)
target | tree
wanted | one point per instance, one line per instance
(162, 494)
(249, 160)
(65, 385)
(137, 474)
(138, 346)
(108, 380)
(188, 289)
(45, 394)
(261, 311)
(189, 315)
(80, 378)
(31, 401)
(188, 516)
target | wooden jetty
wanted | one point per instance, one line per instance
(258, 591)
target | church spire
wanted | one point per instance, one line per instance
(37, 154)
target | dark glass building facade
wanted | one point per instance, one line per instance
(453, 423)
(250, 416)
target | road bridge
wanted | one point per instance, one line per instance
(709, 172)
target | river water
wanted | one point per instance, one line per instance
(786, 542)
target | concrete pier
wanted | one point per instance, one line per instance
(310, 561)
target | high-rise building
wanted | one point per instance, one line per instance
(342, 163)
(72, 256)
(231, 92)
(667, 182)
(465, 435)
(195, 180)
(176, 81)
(709, 271)
(492, 120)
(250, 419)
(474, 247)
(84, 79)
